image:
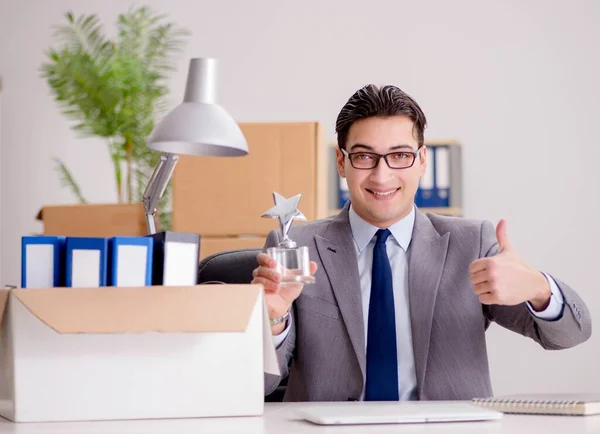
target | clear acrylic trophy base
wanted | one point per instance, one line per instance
(293, 264)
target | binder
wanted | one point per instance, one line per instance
(42, 261)
(176, 258)
(426, 192)
(441, 197)
(441, 184)
(86, 262)
(130, 261)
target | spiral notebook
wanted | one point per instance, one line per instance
(560, 404)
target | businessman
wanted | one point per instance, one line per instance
(402, 299)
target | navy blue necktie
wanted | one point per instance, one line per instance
(382, 358)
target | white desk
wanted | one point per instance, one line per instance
(280, 419)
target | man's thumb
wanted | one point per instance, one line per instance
(502, 237)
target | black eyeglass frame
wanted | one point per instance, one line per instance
(384, 156)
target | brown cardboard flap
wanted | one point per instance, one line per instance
(201, 308)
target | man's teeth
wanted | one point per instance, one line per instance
(386, 193)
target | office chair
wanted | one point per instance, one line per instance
(234, 267)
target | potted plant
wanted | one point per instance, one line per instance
(115, 89)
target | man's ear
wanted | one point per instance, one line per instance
(339, 157)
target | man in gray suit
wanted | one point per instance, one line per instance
(402, 299)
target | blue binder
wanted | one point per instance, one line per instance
(42, 261)
(442, 176)
(86, 262)
(426, 194)
(130, 261)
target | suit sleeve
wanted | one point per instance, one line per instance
(286, 348)
(569, 329)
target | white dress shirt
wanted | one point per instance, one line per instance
(397, 247)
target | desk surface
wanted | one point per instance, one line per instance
(280, 418)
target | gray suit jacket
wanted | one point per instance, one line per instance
(326, 342)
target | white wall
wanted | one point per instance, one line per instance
(517, 82)
(1, 280)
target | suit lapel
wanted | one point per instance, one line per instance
(427, 256)
(338, 256)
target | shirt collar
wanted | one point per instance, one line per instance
(363, 232)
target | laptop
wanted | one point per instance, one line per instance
(370, 412)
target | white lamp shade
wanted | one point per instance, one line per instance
(199, 126)
(199, 129)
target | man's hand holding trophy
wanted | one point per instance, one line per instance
(285, 269)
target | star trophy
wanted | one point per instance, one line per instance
(293, 263)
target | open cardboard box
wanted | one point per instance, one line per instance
(134, 353)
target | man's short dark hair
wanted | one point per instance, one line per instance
(372, 101)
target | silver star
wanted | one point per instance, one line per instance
(286, 210)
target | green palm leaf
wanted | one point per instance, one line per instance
(67, 180)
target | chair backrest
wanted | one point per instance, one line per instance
(231, 266)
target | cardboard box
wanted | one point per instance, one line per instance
(212, 245)
(94, 220)
(217, 196)
(135, 353)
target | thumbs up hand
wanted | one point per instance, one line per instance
(503, 242)
(505, 279)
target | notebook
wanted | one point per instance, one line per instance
(399, 412)
(561, 404)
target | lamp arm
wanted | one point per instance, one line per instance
(156, 187)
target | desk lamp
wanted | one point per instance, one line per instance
(198, 126)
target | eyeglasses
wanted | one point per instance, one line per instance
(370, 160)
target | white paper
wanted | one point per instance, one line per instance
(442, 167)
(85, 271)
(181, 264)
(39, 266)
(131, 266)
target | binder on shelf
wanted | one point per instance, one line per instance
(42, 261)
(441, 185)
(176, 258)
(425, 197)
(86, 262)
(130, 260)
(441, 197)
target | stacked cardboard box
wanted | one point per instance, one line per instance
(223, 199)
(93, 220)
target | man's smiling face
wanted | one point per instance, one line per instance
(382, 195)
